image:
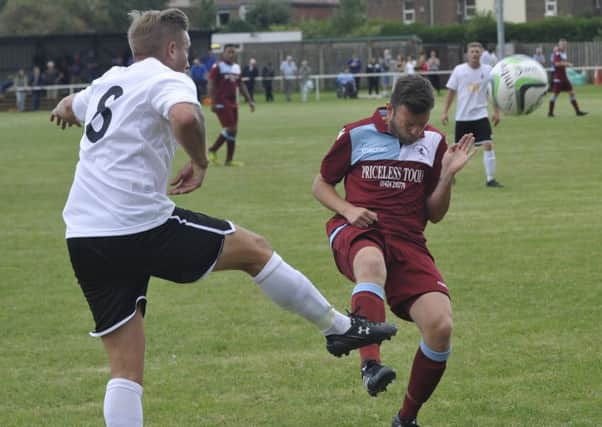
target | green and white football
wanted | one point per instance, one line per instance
(518, 85)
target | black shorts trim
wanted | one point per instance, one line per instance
(481, 129)
(114, 271)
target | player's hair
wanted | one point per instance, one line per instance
(415, 92)
(474, 44)
(151, 29)
(233, 45)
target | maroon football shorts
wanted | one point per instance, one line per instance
(227, 115)
(561, 86)
(411, 270)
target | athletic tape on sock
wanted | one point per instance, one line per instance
(437, 356)
(369, 287)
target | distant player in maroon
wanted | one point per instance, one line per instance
(560, 81)
(397, 172)
(224, 79)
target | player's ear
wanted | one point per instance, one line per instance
(171, 49)
(390, 110)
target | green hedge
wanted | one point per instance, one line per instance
(482, 28)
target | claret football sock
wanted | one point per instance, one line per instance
(427, 370)
(367, 301)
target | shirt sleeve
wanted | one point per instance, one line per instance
(214, 72)
(452, 83)
(337, 161)
(436, 169)
(175, 88)
(80, 103)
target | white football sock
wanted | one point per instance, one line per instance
(123, 403)
(489, 163)
(291, 290)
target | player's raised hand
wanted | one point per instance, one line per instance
(360, 217)
(457, 155)
(188, 179)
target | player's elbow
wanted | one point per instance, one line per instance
(185, 116)
(316, 188)
(435, 219)
(435, 214)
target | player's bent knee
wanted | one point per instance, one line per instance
(369, 265)
(440, 329)
(244, 250)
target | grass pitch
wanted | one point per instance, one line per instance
(522, 262)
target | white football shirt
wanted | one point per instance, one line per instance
(470, 85)
(125, 156)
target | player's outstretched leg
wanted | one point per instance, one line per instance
(362, 332)
(292, 291)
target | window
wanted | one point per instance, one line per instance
(551, 8)
(222, 18)
(409, 12)
(470, 9)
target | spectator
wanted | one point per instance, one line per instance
(36, 81)
(421, 64)
(267, 80)
(373, 67)
(249, 74)
(410, 65)
(20, 82)
(539, 56)
(75, 69)
(346, 85)
(51, 77)
(198, 73)
(386, 63)
(209, 59)
(305, 82)
(355, 67)
(5, 86)
(433, 65)
(288, 68)
(92, 67)
(400, 64)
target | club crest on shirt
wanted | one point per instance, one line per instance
(422, 150)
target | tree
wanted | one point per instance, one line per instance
(69, 16)
(350, 14)
(20, 17)
(202, 14)
(268, 12)
(117, 12)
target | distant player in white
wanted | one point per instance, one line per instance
(470, 80)
(122, 228)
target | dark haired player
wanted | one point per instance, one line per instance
(398, 173)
